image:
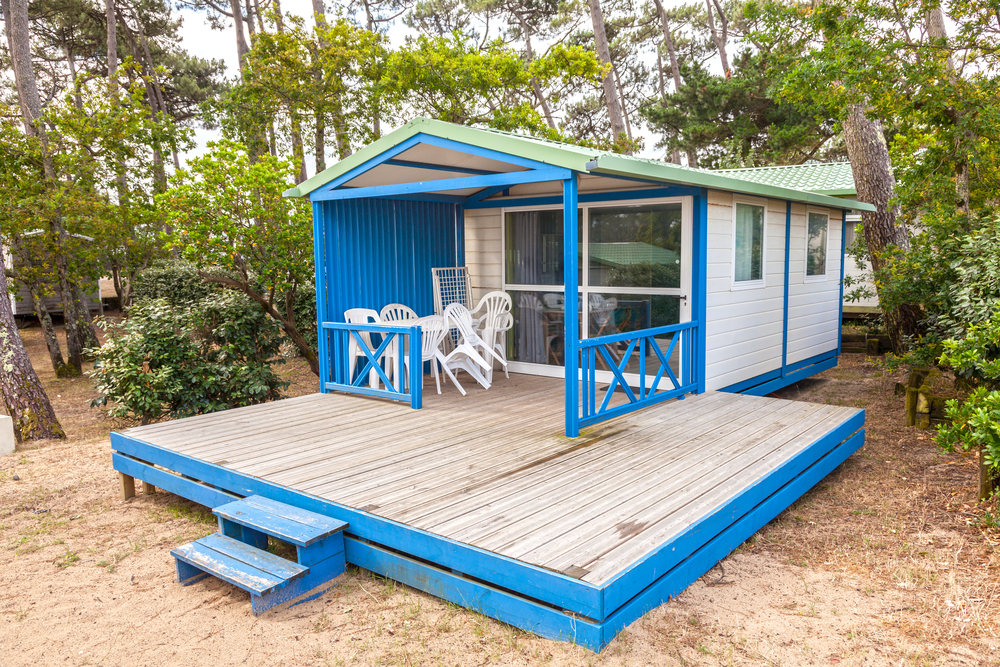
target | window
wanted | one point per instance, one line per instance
(748, 245)
(635, 246)
(816, 237)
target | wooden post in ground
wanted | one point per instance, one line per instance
(148, 488)
(985, 478)
(128, 486)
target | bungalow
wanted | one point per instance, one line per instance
(632, 446)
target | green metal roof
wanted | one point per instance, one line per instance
(631, 252)
(825, 178)
(568, 156)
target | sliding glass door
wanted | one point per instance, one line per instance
(635, 273)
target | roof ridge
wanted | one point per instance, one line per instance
(786, 166)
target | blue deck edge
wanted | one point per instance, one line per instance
(517, 593)
(779, 378)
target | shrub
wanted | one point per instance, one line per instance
(975, 421)
(165, 361)
(175, 281)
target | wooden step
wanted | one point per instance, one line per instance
(289, 524)
(256, 571)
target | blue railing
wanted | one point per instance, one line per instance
(408, 342)
(638, 346)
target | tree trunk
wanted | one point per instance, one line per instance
(42, 312)
(241, 42)
(71, 63)
(624, 104)
(337, 112)
(298, 151)
(536, 87)
(720, 40)
(610, 90)
(668, 41)
(23, 395)
(937, 30)
(31, 108)
(112, 20)
(876, 185)
(85, 323)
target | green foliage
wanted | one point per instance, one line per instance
(165, 361)
(456, 80)
(175, 281)
(975, 420)
(738, 121)
(228, 215)
(941, 98)
(230, 220)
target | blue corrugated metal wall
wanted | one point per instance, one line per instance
(381, 251)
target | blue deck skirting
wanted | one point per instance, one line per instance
(766, 383)
(539, 583)
(518, 593)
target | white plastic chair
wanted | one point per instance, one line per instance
(432, 332)
(465, 355)
(361, 316)
(395, 312)
(495, 320)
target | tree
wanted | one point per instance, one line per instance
(23, 395)
(618, 128)
(453, 79)
(229, 218)
(872, 63)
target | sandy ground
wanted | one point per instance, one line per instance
(884, 563)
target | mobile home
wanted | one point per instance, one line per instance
(650, 309)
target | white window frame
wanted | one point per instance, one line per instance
(805, 258)
(749, 284)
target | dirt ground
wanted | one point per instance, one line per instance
(885, 562)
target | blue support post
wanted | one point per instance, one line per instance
(699, 286)
(571, 299)
(788, 252)
(323, 339)
(416, 368)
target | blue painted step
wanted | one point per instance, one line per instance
(237, 554)
(253, 570)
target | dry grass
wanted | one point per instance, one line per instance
(884, 562)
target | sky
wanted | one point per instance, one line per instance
(201, 40)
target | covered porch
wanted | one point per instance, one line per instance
(396, 211)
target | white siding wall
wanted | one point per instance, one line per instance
(744, 327)
(813, 307)
(858, 273)
(484, 250)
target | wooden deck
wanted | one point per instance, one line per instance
(492, 471)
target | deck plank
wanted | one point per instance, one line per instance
(535, 523)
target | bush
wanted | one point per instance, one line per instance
(178, 283)
(975, 421)
(165, 361)
(175, 281)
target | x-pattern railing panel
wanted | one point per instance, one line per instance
(408, 355)
(640, 342)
